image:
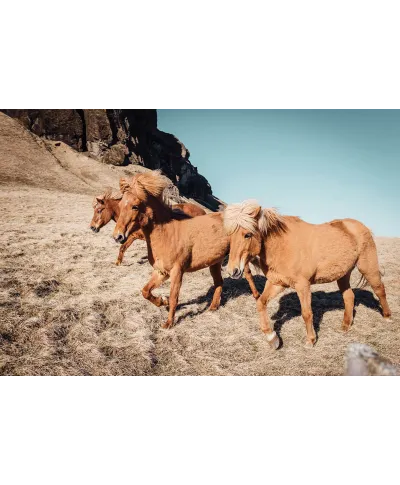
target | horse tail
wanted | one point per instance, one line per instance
(368, 256)
(362, 282)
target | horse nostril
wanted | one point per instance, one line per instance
(120, 238)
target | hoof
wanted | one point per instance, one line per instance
(273, 340)
(345, 328)
(256, 297)
(164, 301)
(309, 345)
(214, 306)
(118, 263)
(388, 319)
(274, 344)
(167, 324)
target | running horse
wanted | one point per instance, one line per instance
(174, 246)
(106, 207)
(296, 254)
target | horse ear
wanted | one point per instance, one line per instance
(100, 200)
(140, 191)
(124, 185)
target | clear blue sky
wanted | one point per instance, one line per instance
(317, 164)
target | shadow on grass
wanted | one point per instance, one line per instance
(322, 302)
(289, 304)
(231, 289)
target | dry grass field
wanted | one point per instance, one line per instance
(66, 309)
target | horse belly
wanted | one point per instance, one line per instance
(332, 269)
(207, 251)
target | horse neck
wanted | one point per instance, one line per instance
(157, 214)
(114, 206)
(273, 242)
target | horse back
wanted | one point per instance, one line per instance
(355, 231)
(189, 209)
(340, 243)
(320, 253)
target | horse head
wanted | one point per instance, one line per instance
(137, 198)
(104, 210)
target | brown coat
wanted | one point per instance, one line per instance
(296, 254)
(174, 246)
(107, 207)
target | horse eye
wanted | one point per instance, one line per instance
(249, 234)
(135, 207)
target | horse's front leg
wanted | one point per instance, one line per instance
(125, 246)
(348, 299)
(215, 271)
(250, 281)
(304, 292)
(270, 292)
(155, 281)
(176, 276)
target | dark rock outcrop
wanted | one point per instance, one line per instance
(120, 137)
(66, 125)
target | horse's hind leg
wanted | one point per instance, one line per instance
(348, 298)
(250, 281)
(176, 282)
(368, 266)
(304, 293)
(374, 279)
(215, 271)
(155, 281)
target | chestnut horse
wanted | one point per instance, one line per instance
(107, 206)
(296, 254)
(174, 246)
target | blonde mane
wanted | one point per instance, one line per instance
(242, 215)
(249, 216)
(109, 193)
(144, 184)
(271, 221)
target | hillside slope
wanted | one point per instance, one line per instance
(65, 308)
(29, 160)
(121, 137)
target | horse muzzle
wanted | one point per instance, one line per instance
(120, 238)
(95, 229)
(236, 274)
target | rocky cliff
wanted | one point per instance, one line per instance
(121, 137)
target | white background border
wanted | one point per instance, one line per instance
(204, 430)
(191, 54)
